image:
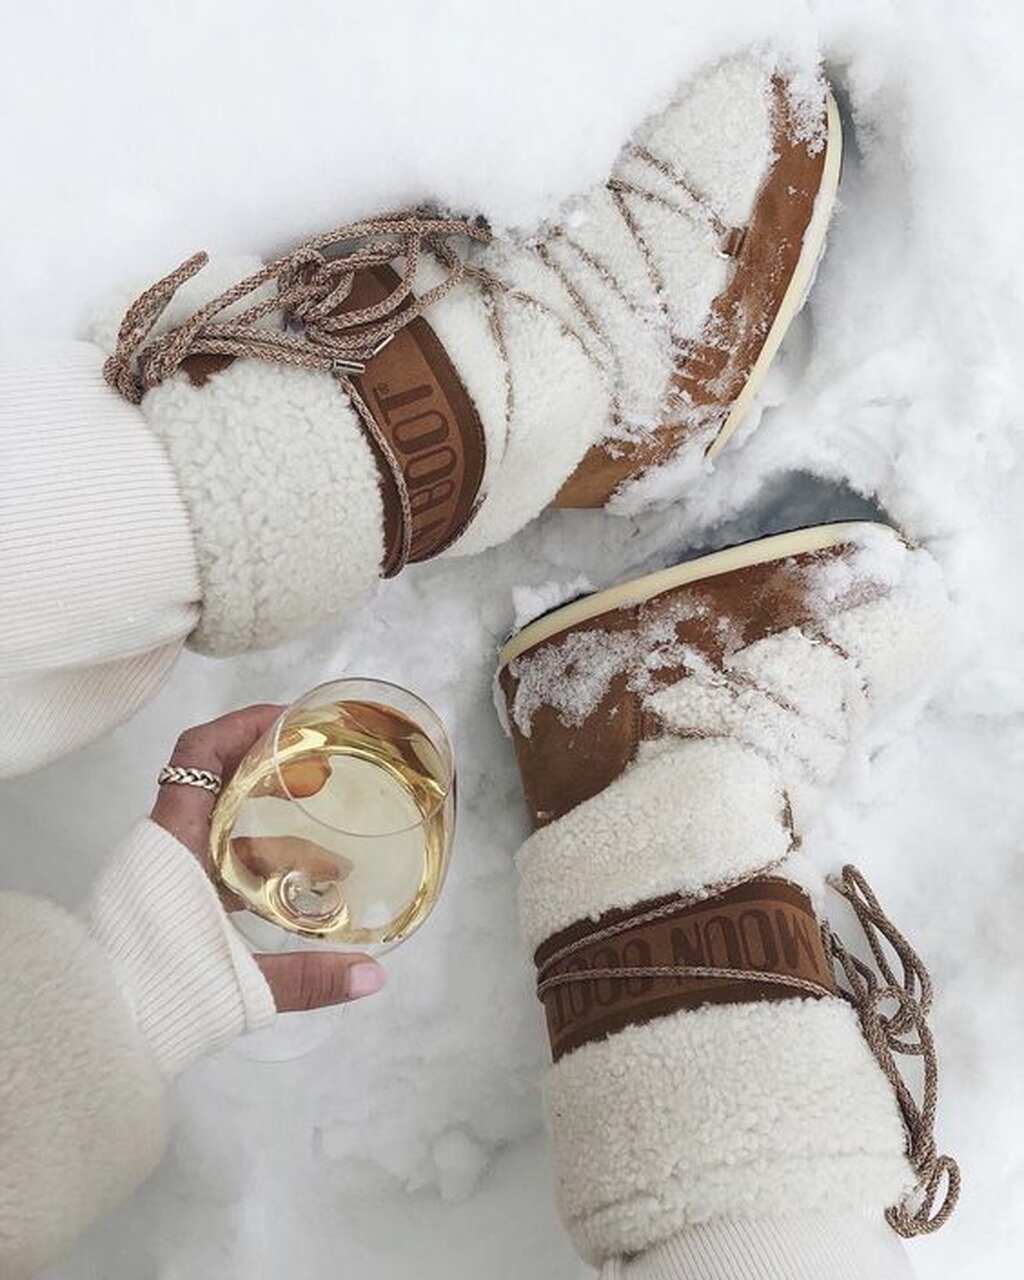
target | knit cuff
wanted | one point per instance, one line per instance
(186, 974)
(97, 560)
(796, 1247)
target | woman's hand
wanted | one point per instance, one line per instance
(297, 979)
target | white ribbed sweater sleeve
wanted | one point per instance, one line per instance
(190, 981)
(801, 1246)
(94, 1022)
(98, 581)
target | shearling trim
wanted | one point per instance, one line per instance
(687, 814)
(283, 495)
(560, 398)
(719, 132)
(81, 1097)
(281, 486)
(748, 1110)
(897, 642)
(637, 328)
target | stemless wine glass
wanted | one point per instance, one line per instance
(336, 829)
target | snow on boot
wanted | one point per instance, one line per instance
(717, 1105)
(410, 385)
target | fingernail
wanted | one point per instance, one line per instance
(364, 979)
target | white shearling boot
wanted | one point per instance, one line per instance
(720, 1104)
(411, 385)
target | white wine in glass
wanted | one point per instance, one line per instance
(337, 826)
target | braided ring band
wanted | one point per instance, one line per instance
(188, 777)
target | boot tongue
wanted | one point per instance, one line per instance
(431, 427)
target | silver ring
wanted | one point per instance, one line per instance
(188, 777)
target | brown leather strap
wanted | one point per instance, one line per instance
(424, 412)
(758, 941)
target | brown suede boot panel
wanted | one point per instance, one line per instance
(562, 765)
(716, 368)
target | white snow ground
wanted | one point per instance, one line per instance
(136, 133)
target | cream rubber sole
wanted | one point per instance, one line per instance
(796, 291)
(779, 546)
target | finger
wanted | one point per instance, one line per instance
(185, 813)
(313, 979)
(268, 856)
(302, 778)
(229, 900)
(218, 746)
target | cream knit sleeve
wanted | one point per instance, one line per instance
(95, 1020)
(795, 1246)
(98, 581)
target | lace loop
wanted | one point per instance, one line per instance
(310, 285)
(896, 1031)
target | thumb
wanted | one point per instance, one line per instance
(312, 979)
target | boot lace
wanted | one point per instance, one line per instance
(893, 1011)
(311, 283)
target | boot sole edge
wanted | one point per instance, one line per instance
(778, 546)
(799, 286)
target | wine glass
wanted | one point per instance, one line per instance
(336, 831)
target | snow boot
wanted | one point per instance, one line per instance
(724, 1097)
(411, 385)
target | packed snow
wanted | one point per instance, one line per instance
(410, 1144)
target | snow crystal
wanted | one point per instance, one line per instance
(460, 1162)
(875, 557)
(574, 674)
(529, 603)
(571, 677)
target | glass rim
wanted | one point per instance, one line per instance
(436, 729)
